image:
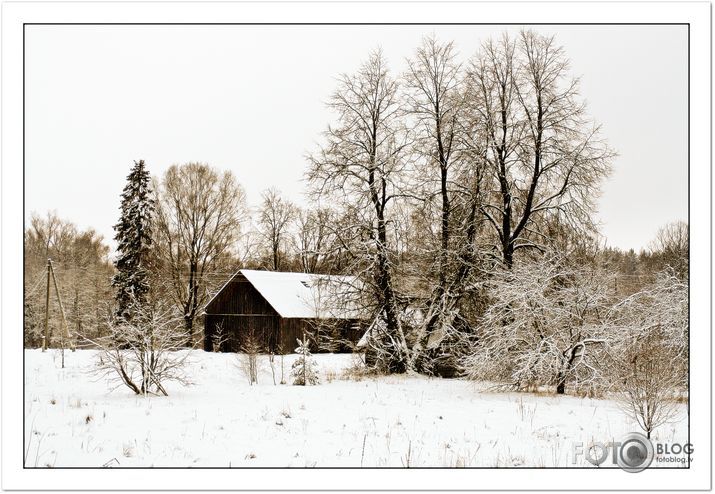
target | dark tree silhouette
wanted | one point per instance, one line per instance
(134, 240)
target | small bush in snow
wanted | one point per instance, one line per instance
(304, 368)
(357, 370)
(650, 386)
(248, 360)
(219, 338)
(545, 326)
(144, 352)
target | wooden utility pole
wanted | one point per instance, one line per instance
(46, 337)
(64, 333)
(78, 329)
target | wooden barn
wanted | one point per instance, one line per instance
(276, 308)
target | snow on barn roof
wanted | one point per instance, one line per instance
(303, 295)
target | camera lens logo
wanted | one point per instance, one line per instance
(636, 453)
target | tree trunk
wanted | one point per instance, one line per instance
(189, 327)
(563, 372)
(508, 254)
(192, 303)
(445, 231)
(383, 276)
(561, 386)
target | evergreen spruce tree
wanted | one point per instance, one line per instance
(133, 236)
(304, 369)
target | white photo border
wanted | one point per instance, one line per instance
(697, 15)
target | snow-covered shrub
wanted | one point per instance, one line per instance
(385, 354)
(304, 369)
(545, 325)
(218, 338)
(394, 350)
(649, 386)
(144, 352)
(649, 369)
(248, 360)
(657, 314)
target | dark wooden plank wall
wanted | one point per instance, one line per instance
(237, 327)
(239, 297)
(290, 330)
(239, 307)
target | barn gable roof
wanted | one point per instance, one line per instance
(304, 295)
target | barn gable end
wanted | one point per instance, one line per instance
(279, 308)
(237, 309)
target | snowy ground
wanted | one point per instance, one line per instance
(72, 420)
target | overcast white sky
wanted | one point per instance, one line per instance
(251, 99)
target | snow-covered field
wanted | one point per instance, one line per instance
(71, 419)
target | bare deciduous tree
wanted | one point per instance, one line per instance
(359, 166)
(672, 244)
(314, 240)
(274, 218)
(544, 156)
(199, 217)
(449, 173)
(435, 103)
(81, 265)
